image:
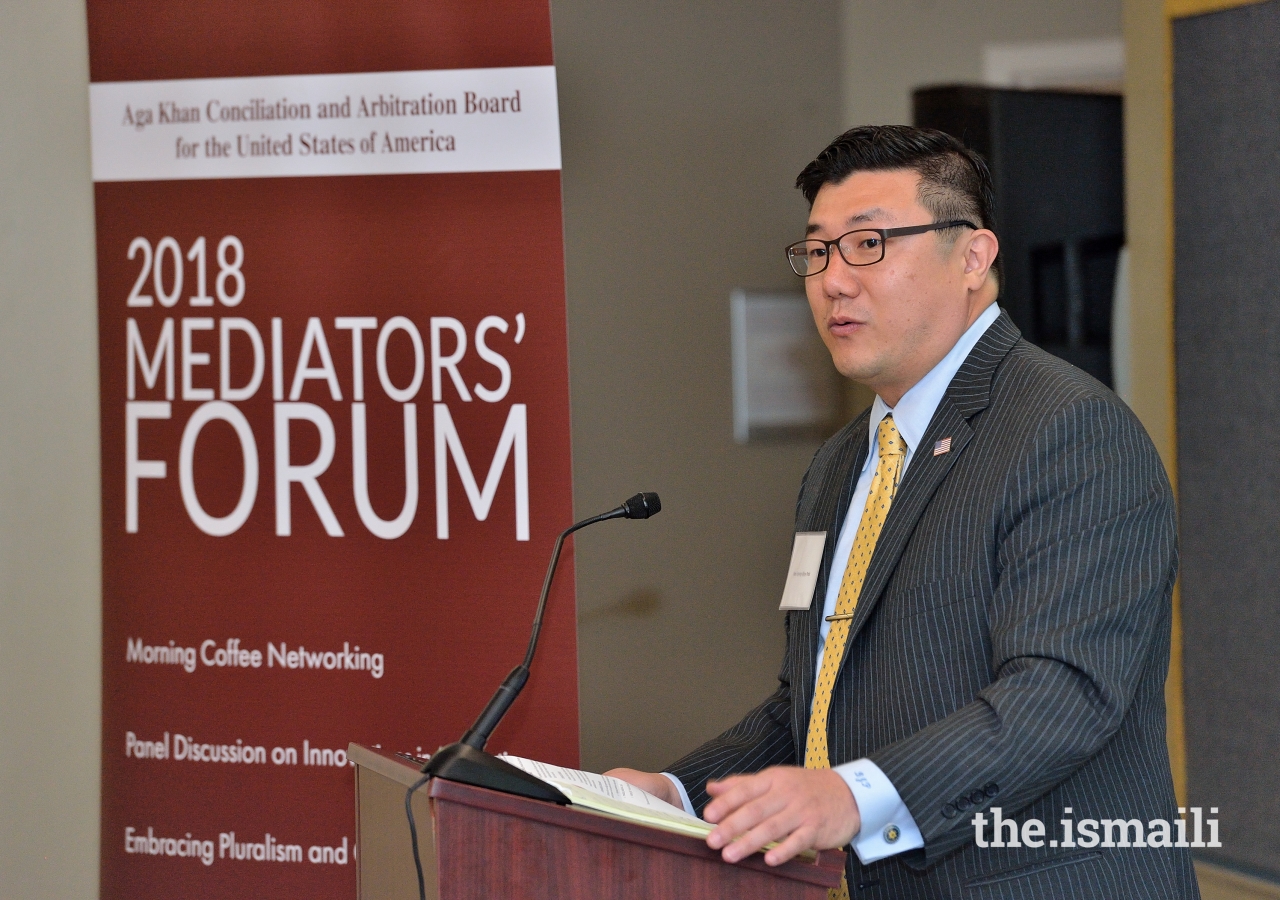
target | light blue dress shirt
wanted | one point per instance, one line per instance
(884, 815)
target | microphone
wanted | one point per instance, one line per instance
(641, 506)
(466, 761)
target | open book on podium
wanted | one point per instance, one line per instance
(613, 797)
(612, 842)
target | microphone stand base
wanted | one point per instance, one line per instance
(467, 765)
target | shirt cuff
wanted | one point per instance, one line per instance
(684, 795)
(887, 826)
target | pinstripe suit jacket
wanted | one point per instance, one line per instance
(1011, 641)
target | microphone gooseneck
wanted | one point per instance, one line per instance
(641, 506)
(466, 760)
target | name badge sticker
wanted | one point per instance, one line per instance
(802, 576)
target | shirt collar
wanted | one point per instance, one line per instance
(916, 408)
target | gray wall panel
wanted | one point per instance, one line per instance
(1227, 285)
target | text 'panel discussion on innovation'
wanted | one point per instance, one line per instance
(586, 450)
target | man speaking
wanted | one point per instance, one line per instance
(990, 624)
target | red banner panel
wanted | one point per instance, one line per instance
(335, 419)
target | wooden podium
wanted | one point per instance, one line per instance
(477, 843)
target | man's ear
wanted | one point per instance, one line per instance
(980, 250)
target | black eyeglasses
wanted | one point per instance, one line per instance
(863, 247)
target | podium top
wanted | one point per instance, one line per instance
(825, 869)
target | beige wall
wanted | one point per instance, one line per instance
(684, 127)
(49, 559)
(889, 48)
(1149, 231)
(1148, 219)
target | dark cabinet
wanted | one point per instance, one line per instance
(1057, 162)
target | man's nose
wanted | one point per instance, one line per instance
(839, 279)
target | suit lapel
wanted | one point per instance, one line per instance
(970, 390)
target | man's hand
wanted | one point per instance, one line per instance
(801, 809)
(658, 785)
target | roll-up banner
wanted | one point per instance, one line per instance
(335, 419)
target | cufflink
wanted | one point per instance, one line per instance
(891, 834)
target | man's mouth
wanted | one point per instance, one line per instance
(843, 326)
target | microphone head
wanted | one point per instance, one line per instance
(642, 506)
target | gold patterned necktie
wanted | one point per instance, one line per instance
(893, 454)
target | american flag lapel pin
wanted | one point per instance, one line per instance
(942, 446)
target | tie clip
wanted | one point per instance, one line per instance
(839, 617)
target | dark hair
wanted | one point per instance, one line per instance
(954, 180)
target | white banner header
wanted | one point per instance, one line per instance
(370, 123)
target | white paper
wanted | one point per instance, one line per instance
(802, 576)
(605, 785)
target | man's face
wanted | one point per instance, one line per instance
(886, 325)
